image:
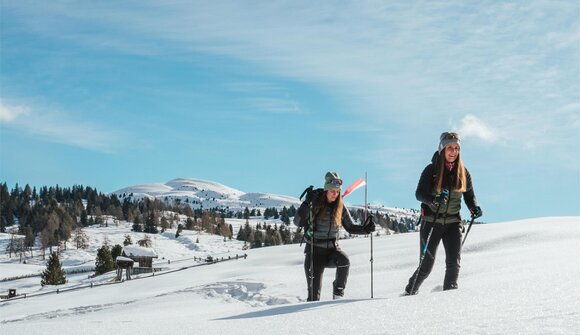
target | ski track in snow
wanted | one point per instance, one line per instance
(59, 313)
(250, 293)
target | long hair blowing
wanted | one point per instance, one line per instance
(458, 177)
(335, 209)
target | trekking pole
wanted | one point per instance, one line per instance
(444, 191)
(311, 270)
(366, 216)
(468, 229)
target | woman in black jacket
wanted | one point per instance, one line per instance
(322, 214)
(442, 185)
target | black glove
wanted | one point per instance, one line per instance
(369, 225)
(476, 212)
(441, 198)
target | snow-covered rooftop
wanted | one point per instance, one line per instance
(137, 251)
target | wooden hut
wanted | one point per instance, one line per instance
(142, 255)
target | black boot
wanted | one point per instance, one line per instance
(408, 291)
(421, 276)
(452, 286)
(337, 292)
(450, 281)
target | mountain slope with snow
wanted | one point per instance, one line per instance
(205, 194)
(516, 277)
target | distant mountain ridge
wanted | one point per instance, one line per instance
(206, 194)
(199, 193)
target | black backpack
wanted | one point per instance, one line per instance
(312, 197)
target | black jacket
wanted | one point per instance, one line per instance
(425, 193)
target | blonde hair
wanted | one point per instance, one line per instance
(338, 211)
(459, 177)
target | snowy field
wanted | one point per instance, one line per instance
(518, 277)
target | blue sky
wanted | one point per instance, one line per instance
(268, 96)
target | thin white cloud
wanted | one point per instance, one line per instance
(253, 87)
(350, 127)
(59, 128)
(11, 113)
(472, 126)
(265, 97)
(274, 105)
(571, 115)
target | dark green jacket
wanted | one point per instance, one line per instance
(425, 193)
(325, 231)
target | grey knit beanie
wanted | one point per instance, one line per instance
(332, 181)
(447, 138)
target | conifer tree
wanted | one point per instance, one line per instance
(3, 224)
(54, 274)
(292, 211)
(137, 226)
(151, 224)
(104, 262)
(284, 217)
(179, 230)
(127, 240)
(242, 233)
(84, 218)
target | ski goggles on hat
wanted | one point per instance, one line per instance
(336, 182)
(451, 136)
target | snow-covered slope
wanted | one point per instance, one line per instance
(207, 194)
(517, 277)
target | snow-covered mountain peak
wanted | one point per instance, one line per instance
(199, 193)
(200, 185)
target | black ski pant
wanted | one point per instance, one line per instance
(326, 258)
(450, 234)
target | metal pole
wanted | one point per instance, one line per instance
(426, 244)
(311, 252)
(366, 216)
(468, 229)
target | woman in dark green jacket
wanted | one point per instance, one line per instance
(442, 185)
(322, 215)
